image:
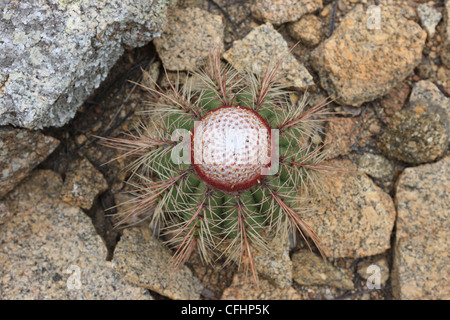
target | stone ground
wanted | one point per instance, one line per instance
(383, 219)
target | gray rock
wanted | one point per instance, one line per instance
(426, 69)
(20, 151)
(376, 166)
(259, 47)
(49, 250)
(421, 267)
(142, 259)
(311, 270)
(415, 136)
(426, 93)
(429, 18)
(420, 132)
(55, 53)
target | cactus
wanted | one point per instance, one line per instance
(222, 197)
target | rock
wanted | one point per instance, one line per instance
(185, 27)
(83, 184)
(445, 49)
(215, 277)
(49, 250)
(4, 213)
(429, 18)
(359, 64)
(180, 77)
(353, 216)
(243, 288)
(151, 75)
(340, 136)
(355, 133)
(414, 136)
(443, 78)
(281, 11)
(376, 166)
(259, 47)
(426, 92)
(426, 69)
(141, 259)
(395, 100)
(55, 53)
(311, 270)
(125, 201)
(20, 151)
(272, 263)
(373, 266)
(275, 265)
(308, 30)
(421, 266)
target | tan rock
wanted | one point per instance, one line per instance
(354, 217)
(4, 213)
(308, 30)
(50, 250)
(395, 100)
(282, 11)
(366, 269)
(215, 277)
(340, 136)
(259, 47)
(141, 259)
(361, 62)
(20, 151)
(311, 270)
(445, 49)
(150, 75)
(421, 267)
(243, 288)
(275, 265)
(83, 184)
(184, 28)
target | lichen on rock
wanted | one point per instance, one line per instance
(55, 53)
